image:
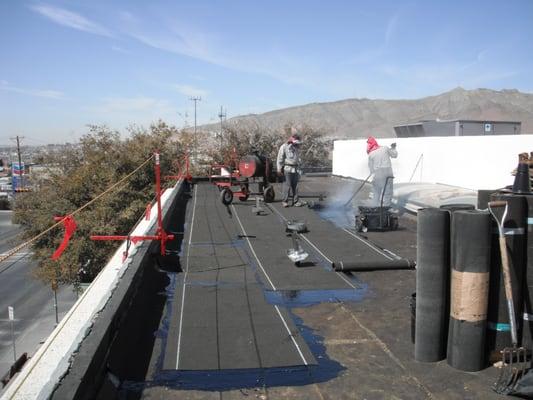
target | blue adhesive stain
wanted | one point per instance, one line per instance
(211, 244)
(162, 332)
(235, 379)
(245, 379)
(311, 297)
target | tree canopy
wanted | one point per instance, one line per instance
(82, 171)
(79, 174)
(246, 137)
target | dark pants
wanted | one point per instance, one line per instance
(382, 185)
(290, 184)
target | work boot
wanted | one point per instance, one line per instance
(284, 204)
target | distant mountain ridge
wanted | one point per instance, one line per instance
(355, 118)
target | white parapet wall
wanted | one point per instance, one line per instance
(43, 371)
(472, 162)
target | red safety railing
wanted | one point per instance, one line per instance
(160, 235)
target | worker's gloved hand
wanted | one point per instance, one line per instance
(393, 145)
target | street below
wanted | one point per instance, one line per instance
(31, 299)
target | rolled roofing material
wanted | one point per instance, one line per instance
(515, 228)
(483, 198)
(432, 284)
(527, 335)
(373, 265)
(470, 260)
(457, 207)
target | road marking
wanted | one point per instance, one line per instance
(339, 274)
(273, 287)
(368, 244)
(185, 277)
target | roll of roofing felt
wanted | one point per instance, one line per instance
(483, 198)
(527, 333)
(432, 284)
(470, 260)
(499, 330)
(457, 207)
(402, 263)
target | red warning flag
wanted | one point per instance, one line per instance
(70, 227)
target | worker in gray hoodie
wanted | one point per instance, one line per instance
(379, 164)
(288, 164)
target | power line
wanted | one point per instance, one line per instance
(16, 249)
(222, 116)
(21, 179)
(196, 99)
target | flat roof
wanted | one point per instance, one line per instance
(244, 320)
(484, 121)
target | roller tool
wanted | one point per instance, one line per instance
(296, 254)
(514, 359)
(258, 209)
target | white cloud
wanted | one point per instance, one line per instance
(70, 19)
(114, 104)
(186, 40)
(471, 74)
(50, 94)
(124, 111)
(127, 16)
(198, 77)
(187, 44)
(191, 91)
(391, 28)
(119, 49)
(369, 55)
(131, 104)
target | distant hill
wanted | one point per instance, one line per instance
(354, 118)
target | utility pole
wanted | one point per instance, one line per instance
(221, 115)
(196, 99)
(20, 160)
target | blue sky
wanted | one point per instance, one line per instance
(66, 64)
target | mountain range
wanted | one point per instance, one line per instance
(356, 118)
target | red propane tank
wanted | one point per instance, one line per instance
(251, 166)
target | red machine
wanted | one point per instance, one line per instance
(253, 168)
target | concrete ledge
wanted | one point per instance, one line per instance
(78, 347)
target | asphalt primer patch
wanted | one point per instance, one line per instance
(240, 379)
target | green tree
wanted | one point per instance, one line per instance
(79, 174)
(245, 137)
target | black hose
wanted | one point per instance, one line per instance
(358, 190)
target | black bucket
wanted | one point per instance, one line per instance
(412, 305)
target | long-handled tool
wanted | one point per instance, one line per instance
(358, 190)
(514, 359)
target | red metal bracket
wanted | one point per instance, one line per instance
(148, 211)
(70, 227)
(160, 235)
(185, 175)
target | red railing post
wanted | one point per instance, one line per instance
(160, 235)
